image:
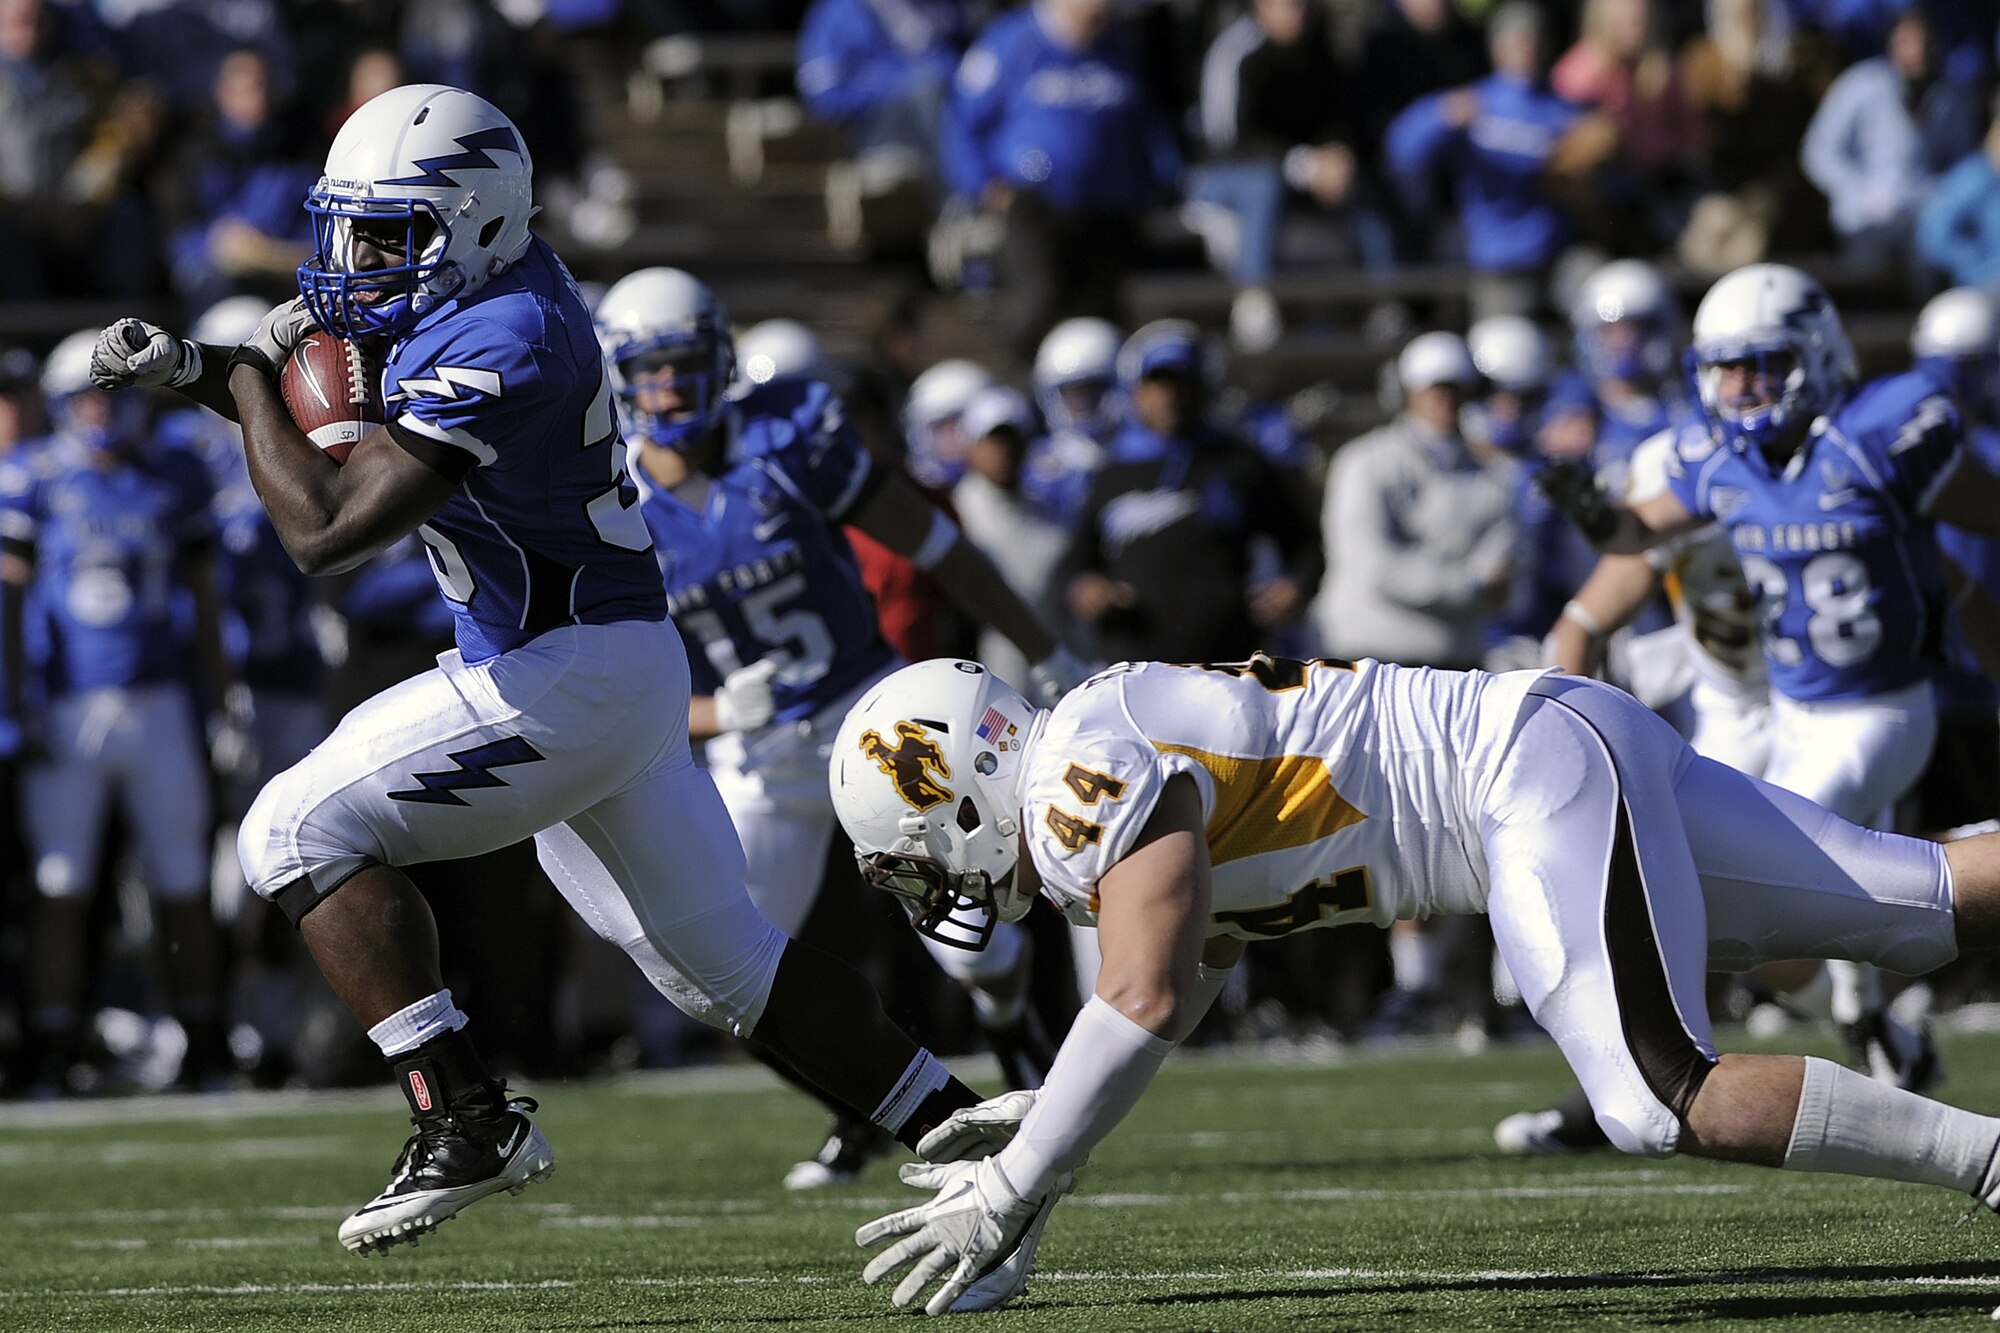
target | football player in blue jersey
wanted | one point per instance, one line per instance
(1831, 493)
(1957, 341)
(746, 499)
(563, 709)
(111, 530)
(1625, 320)
(1076, 387)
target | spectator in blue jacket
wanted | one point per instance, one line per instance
(881, 69)
(238, 223)
(1493, 140)
(1884, 132)
(1051, 124)
(1958, 230)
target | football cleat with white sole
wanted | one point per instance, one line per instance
(445, 1166)
(1567, 1127)
(852, 1145)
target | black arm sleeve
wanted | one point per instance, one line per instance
(211, 387)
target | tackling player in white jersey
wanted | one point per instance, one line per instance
(1188, 810)
(563, 710)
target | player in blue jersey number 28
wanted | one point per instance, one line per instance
(563, 710)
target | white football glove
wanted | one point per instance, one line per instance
(270, 347)
(978, 1131)
(744, 702)
(977, 1234)
(1056, 675)
(132, 354)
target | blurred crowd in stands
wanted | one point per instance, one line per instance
(1582, 165)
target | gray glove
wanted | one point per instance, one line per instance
(270, 347)
(132, 354)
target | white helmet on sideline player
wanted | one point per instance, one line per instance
(1076, 376)
(230, 321)
(930, 419)
(1783, 322)
(1625, 320)
(1513, 357)
(778, 349)
(660, 317)
(436, 173)
(113, 419)
(1957, 340)
(926, 780)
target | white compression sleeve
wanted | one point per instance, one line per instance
(1104, 1066)
(1851, 1124)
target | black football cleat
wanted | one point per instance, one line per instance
(446, 1165)
(1023, 1049)
(852, 1145)
(1890, 1052)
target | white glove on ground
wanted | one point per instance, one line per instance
(744, 702)
(977, 1234)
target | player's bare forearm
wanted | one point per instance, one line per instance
(702, 721)
(1152, 920)
(975, 586)
(330, 517)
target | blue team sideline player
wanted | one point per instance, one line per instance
(1831, 495)
(563, 710)
(99, 540)
(746, 499)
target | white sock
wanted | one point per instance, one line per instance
(925, 1076)
(1857, 991)
(1851, 1124)
(406, 1029)
(1418, 960)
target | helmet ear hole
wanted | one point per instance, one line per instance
(490, 230)
(968, 816)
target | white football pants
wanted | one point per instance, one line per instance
(1622, 867)
(579, 738)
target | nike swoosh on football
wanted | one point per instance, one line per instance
(1835, 499)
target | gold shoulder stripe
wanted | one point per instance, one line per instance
(1268, 805)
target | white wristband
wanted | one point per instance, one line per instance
(937, 543)
(1105, 1064)
(1578, 614)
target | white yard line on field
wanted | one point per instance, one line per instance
(1330, 1275)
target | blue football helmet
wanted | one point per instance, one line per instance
(661, 317)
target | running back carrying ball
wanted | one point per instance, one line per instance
(332, 388)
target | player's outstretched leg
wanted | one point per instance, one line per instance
(376, 941)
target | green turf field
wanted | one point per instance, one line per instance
(1351, 1193)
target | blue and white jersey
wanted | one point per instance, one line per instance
(763, 569)
(1834, 544)
(109, 548)
(267, 599)
(545, 531)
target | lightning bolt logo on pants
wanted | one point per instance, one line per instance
(474, 771)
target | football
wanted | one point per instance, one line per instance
(333, 389)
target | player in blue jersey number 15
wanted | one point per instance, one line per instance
(563, 710)
(745, 499)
